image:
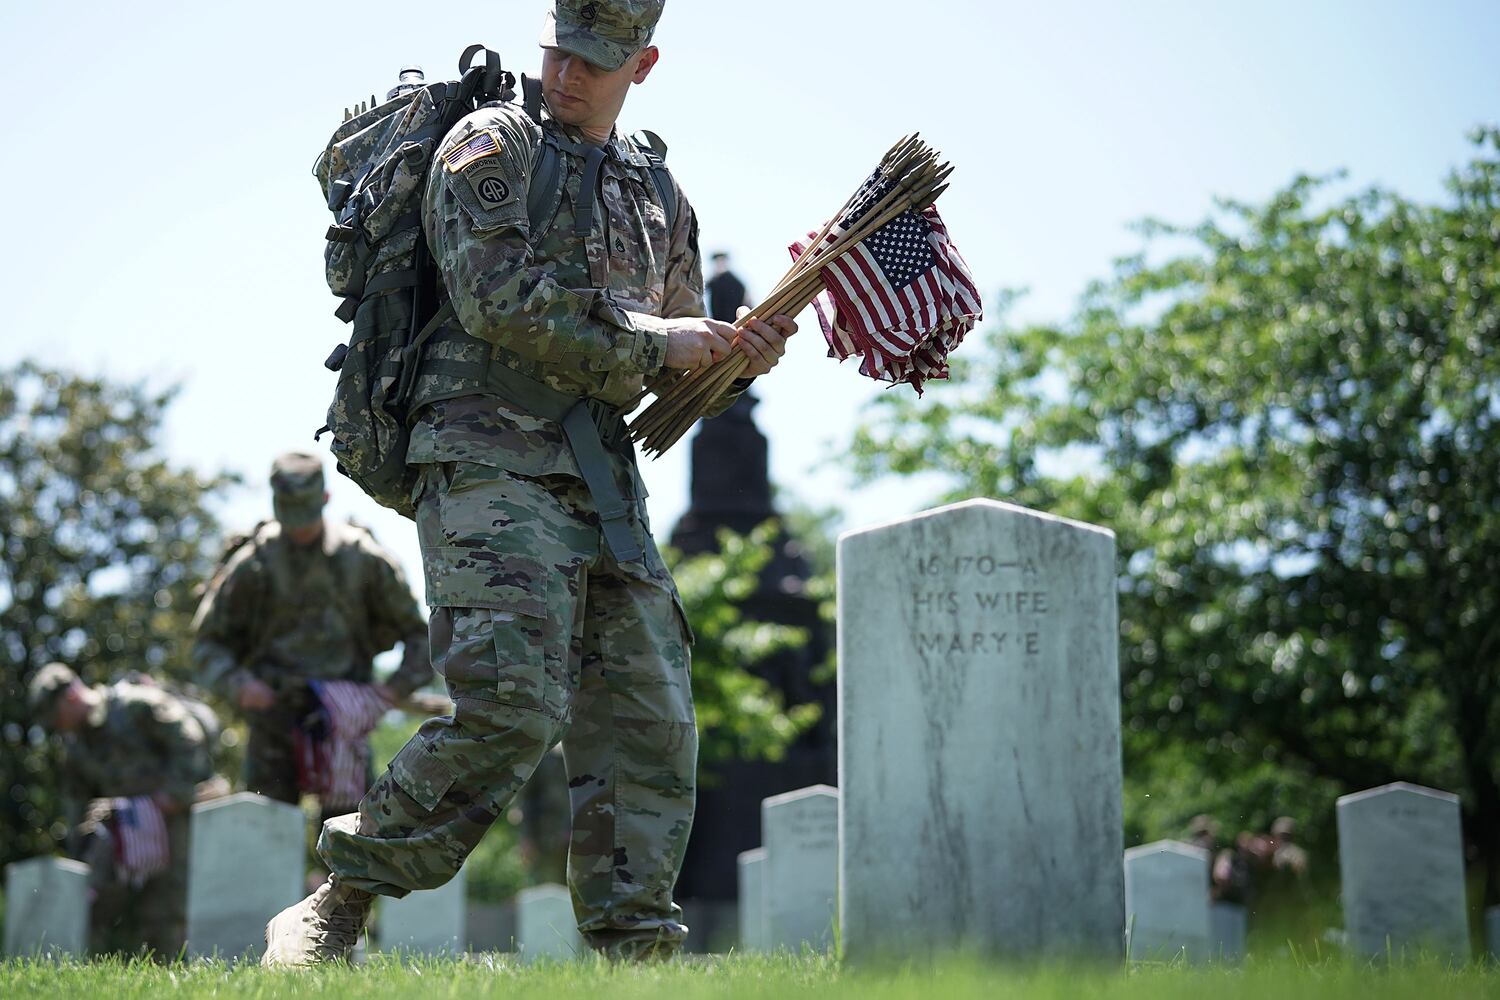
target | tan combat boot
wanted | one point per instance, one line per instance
(324, 927)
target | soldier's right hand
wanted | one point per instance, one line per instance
(697, 342)
(256, 696)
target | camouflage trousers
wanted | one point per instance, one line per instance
(542, 636)
(130, 919)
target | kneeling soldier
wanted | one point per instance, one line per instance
(135, 757)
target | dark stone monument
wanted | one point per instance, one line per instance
(731, 488)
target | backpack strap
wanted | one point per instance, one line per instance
(654, 149)
(544, 197)
(531, 98)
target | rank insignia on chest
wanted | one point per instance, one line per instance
(473, 149)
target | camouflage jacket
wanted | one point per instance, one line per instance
(139, 740)
(579, 313)
(284, 613)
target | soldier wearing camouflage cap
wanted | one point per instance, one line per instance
(136, 754)
(302, 601)
(553, 616)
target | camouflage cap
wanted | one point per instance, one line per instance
(297, 489)
(605, 32)
(46, 687)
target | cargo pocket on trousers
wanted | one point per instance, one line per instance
(462, 576)
(420, 773)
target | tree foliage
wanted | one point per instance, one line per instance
(740, 715)
(102, 544)
(1288, 414)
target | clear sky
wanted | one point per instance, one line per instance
(162, 222)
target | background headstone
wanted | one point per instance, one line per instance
(752, 911)
(545, 924)
(247, 862)
(429, 922)
(1166, 902)
(491, 926)
(979, 736)
(800, 831)
(46, 907)
(1229, 924)
(1492, 931)
(1401, 863)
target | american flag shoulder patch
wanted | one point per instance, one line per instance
(473, 149)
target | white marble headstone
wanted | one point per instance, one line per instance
(247, 863)
(979, 736)
(752, 912)
(1402, 866)
(46, 907)
(1166, 902)
(428, 921)
(546, 927)
(801, 837)
(1230, 926)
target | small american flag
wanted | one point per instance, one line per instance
(333, 752)
(901, 299)
(141, 846)
(476, 147)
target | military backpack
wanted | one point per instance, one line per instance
(373, 174)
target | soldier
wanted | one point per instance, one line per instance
(136, 755)
(302, 603)
(726, 292)
(553, 616)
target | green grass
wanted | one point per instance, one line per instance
(779, 977)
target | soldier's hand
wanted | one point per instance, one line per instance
(386, 694)
(697, 342)
(763, 343)
(256, 696)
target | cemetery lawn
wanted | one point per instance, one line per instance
(779, 977)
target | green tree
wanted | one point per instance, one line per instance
(1289, 416)
(740, 716)
(102, 544)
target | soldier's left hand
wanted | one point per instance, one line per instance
(762, 342)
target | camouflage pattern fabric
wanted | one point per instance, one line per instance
(581, 314)
(605, 33)
(542, 636)
(139, 740)
(286, 614)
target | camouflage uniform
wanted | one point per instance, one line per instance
(138, 740)
(541, 633)
(287, 614)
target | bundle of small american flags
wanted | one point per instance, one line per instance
(140, 834)
(901, 299)
(333, 754)
(889, 286)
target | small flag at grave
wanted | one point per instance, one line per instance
(141, 846)
(332, 753)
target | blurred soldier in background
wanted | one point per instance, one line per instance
(726, 292)
(287, 631)
(136, 757)
(1287, 857)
